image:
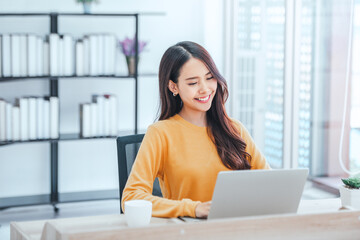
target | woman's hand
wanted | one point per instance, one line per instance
(202, 209)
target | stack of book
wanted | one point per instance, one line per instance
(30, 118)
(29, 55)
(96, 55)
(99, 117)
(23, 55)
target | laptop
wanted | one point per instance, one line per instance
(257, 192)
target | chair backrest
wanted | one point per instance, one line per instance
(127, 148)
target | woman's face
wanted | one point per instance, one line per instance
(196, 86)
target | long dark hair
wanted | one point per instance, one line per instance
(226, 137)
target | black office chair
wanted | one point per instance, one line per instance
(127, 148)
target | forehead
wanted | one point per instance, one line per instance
(193, 68)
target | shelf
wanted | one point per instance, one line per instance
(84, 14)
(7, 79)
(68, 137)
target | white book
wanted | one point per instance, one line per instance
(99, 100)
(54, 54)
(2, 120)
(24, 119)
(100, 49)
(32, 55)
(85, 119)
(106, 54)
(113, 115)
(1, 55)
(23, 55)
(6, 55)
(112, 53)
(61, 55)
(46, 117)
(79, 58)
(68, 60)
(40, 118)
(107, 131)
(15, 56)
(86, 57)
(16, 123)
(40, 56)
(93, 120)
(9, 122)
(46, 59)
(32, 118)
(54, 117)
(93, 58)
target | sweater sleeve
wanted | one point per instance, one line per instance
(148, 165)
(258, 160)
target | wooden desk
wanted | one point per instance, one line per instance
(316, 219)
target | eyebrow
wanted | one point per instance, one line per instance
(191, 78)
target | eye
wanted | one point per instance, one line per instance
(190, 84)
(210, 78)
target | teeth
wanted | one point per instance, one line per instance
(204, 99)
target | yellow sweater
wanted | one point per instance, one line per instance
(186, 162)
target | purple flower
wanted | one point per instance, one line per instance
(128, 46)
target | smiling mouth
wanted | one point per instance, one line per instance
(204, 99)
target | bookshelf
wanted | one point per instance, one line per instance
(54, 91)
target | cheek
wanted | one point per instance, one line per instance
(214, 85)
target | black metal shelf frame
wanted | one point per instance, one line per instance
(54, 91)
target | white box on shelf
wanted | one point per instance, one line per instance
(101, 52)
(23, 55)
(24, 118)
(1, 56)
(54, 54)
(46, 116)
(68, 60)
(15, 55)
(54, 117)
(9, 122)
(61, 54)
(46, 59)
(6, 55)
(86, 57)
(39, 56)
(32, 118)
(93, 120)
(113, 115)
(32, 54)
(107, 131)
(79, 58)
(99, 100)
(40, 118)
(2, 120)
(16, 123)
(93, 55)
(85, 123)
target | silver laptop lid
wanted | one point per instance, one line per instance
(257, 192)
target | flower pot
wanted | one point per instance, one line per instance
(87, 7)
(350, 197)
(130, 60)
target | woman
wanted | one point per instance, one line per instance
(193, 140)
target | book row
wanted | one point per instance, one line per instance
(99, 117)
(30, 118)
(29, 55)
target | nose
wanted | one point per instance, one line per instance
(204, 88)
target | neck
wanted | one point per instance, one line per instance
(197, 118)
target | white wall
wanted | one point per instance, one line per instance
(91, 165)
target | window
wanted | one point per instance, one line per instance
(287, 82)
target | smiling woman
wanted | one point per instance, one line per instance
(193, 140)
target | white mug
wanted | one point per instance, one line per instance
(138, 213)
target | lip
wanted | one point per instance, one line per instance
(203, 101)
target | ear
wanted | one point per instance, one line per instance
(173, 87)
